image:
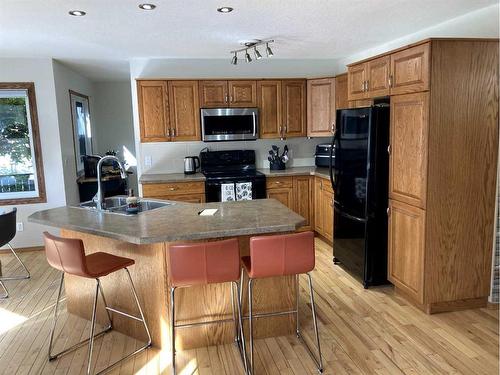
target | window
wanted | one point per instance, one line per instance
(21, 167)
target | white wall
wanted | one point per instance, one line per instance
(167, 157)
(66, 79)
(113, 122)
(39, 71)
(482, 23)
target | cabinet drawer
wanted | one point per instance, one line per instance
(164, 189)
(279, 182)
(189, 198)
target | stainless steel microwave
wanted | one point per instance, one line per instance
(229, 124)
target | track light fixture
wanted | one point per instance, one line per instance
(249, 45)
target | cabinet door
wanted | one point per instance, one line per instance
(327, 207)
(294, 108)
(242, 93)
(303, 199)
(356, 78)
(283, 195)
(320, 107)
(184, 110)
(318, 211)
(408, 148)
(154, 118)
(213, 94)
(406, 248)
(410, 70)
(269, 103)
(341, 92)
(378, 76)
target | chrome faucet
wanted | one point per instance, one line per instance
(99, 197)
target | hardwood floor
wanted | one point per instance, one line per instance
(362, 332)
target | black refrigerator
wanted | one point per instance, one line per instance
(359, 172)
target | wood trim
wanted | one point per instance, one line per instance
(70, 92)
(42, 198)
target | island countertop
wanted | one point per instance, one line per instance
(177, 222)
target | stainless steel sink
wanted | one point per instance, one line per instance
(118, 205)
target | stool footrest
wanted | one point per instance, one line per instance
(187, 325)
(277, 313)
(123, 313)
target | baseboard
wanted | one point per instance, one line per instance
(492, 305)
(22, 249)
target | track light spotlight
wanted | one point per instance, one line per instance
(234, 60)
(269, 51)
(258, 56)
(247, 56)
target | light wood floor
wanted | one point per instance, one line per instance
(362, 332)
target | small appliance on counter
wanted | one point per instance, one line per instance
(191, 164)
(277, 162)
(323, 155)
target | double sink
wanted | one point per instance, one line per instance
(118, 205)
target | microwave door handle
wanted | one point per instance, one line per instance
(254, 124)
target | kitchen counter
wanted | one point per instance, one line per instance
(156, 178)
(177, 222)
(146, 238)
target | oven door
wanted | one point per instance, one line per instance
(213, 191)
(229, 124)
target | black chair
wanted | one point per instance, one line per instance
(7, 233)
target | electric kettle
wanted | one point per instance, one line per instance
(191, 164)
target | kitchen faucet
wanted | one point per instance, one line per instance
(99, 197)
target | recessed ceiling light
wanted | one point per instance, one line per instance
(77, 13)
(147, 6)
(225, 10)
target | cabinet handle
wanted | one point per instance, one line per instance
(363, 86)
(390, 80)
(173, 132)
(231, 99)
(226, 98)
(285, 129)
(333, 128)
(173, 189)
(277, 182)
(168, 132)
(389, 149)
(331, 203)
(388, 211)
(367, 82)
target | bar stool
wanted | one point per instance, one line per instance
(201, 264)
(68, 256)
(281, 255)
(8, 232)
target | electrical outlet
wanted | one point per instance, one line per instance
(20, 226)
(148, 161)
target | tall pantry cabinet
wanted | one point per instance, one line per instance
(443, 157)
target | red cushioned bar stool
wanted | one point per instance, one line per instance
(281, 255)
(68, 256)
(201, 264)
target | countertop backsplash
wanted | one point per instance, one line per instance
(168, 157)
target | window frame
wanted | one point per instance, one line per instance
(35, 140)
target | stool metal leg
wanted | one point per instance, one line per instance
(297, 289)
(92, 327)
(17, 277)
(6, 292)
(250, 323)
(172, 324)
(241, 335)
(233, 310)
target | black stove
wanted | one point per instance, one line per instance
(231, 167)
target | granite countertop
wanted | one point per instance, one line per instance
(150, 178)
(177, 222)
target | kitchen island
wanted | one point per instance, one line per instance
(146, 238)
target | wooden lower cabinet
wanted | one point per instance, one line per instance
(406, 248)
(323, 208)
(294, 192)
(192, 192)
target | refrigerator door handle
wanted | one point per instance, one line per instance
(332, 178)
(351, 217)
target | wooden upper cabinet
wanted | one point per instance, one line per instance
(408, 148)
(154, 116)
(356, 81)
(242, 93)
(213, 94)
(184, 110)
(269, 103)
(378, 77)
(320, 107)
(410, 70)
(406, 248)
(294, 108)
(341, 101)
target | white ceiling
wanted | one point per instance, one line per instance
(114, 31)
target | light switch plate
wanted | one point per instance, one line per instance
(20, 226)
(148, 161)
